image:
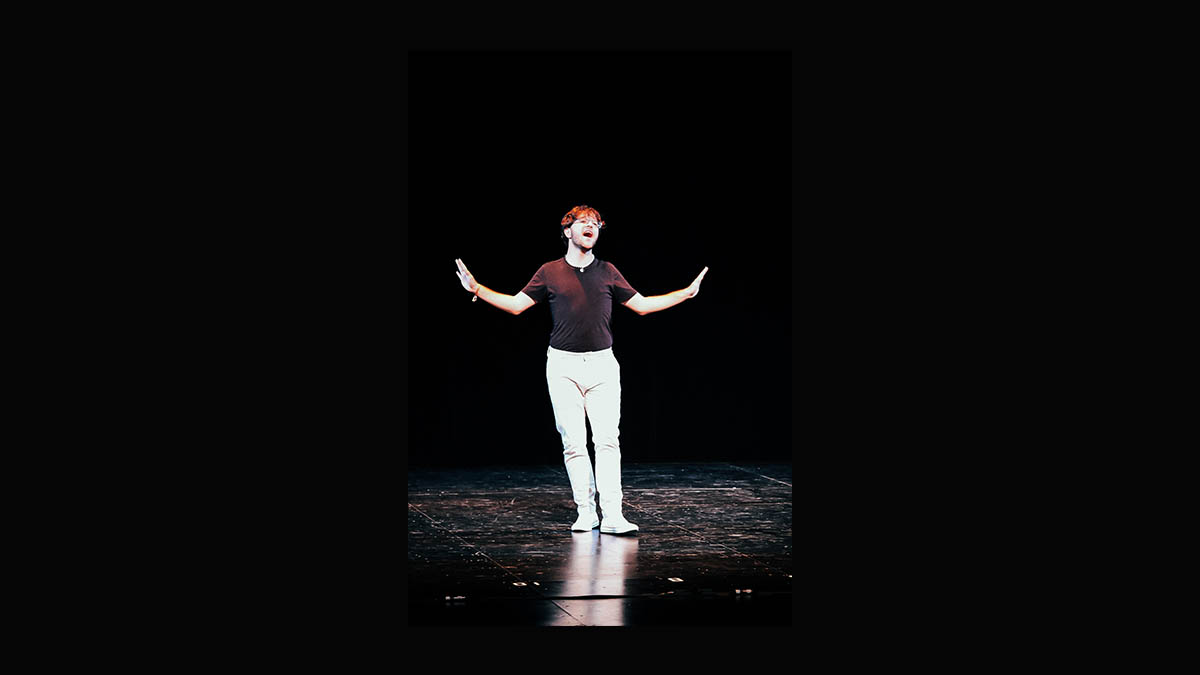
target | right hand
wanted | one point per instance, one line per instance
(694, 289)
(468, 281)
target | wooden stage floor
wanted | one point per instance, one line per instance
(493, 546)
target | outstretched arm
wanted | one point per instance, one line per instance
(513, 304)
(657, 303)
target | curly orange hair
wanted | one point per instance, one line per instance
(577, 213)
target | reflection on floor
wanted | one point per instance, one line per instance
(493, 546)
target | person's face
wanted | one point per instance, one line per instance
(584, 233)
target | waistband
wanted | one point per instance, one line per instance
(602, 352)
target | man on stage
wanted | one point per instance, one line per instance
(582, 373)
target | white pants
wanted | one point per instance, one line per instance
(587, 385)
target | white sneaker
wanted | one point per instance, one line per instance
(586, 522)
(617, 525)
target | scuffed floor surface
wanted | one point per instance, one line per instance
(493, 546)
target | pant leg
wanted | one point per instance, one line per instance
(566, 398)
(602, 402)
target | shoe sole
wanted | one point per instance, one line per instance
(613, 530)
(594, 526)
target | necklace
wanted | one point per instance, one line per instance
(581, 269)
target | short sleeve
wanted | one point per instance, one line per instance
(621, 290)
(536, 288)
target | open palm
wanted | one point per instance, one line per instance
(694, 289)
(465, 276)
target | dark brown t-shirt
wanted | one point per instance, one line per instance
(580, 302)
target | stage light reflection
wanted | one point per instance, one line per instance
(596, 565)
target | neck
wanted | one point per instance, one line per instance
(578, 258)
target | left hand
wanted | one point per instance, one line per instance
(694, 289)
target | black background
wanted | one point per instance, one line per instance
(299, 325)
(687, 156)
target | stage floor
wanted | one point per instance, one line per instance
(493, 546)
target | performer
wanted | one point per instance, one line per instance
(582, 373)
